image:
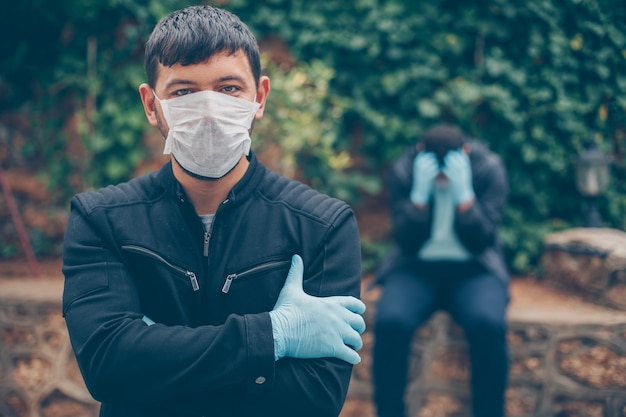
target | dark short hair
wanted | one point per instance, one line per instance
(441, 139)
(193, 35)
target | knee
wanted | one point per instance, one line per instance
(394, 321)
(485, 326)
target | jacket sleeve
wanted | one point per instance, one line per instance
(477, 227)
(125, 361)
(318, 388)
(410, 224)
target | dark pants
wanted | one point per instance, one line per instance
(475, 299)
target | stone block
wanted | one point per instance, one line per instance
(58, 404)
(450, 365)
(592, 363)
(590, 262)
(522, 400)
(527, 336)
(30, 372)
(572, 407)
(441, 405)
(528, 368)
(358, 407)
(16, 405)
(12, 336)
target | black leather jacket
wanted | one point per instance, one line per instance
(138, 249)
(477, 228)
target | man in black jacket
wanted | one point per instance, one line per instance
(448, 196)
(212, 287)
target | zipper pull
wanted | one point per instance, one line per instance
(207, 236)
(229, 281)
(194, 281)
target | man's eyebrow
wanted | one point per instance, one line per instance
(182, 81)
(178, 82)
(231, 78)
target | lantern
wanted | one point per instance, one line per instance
(592, 179)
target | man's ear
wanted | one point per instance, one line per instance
(261, 95)
(467, 148)
(149, 103)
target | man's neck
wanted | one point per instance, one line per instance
(206, 196)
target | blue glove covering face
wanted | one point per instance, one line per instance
(425, 169)
(305, 326)
(458, 170)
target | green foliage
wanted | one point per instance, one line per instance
(302, 124)
(533, 79)
(73, 70)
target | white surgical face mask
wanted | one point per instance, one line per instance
(208, 131)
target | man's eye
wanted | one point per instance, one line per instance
(183, 92)
(230, 89)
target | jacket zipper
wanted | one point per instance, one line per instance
(193, 279)
(231, 277)
(208, 233)
(207, 237)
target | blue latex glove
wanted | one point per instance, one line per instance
(304, 326)
(458, 170)
(425, 169)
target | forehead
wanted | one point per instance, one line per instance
(220, 66)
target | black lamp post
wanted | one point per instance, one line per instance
(592, 178)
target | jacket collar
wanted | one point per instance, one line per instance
(243, 189)
(248, 184)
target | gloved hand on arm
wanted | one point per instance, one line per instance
(305, 326)
(458, 170)
(425, 169)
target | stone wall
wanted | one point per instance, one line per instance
(567, 340)
(38, 373)
(590, 262)
(568, 358)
